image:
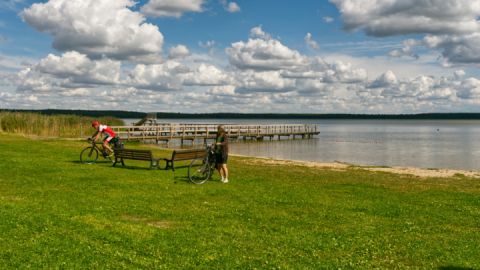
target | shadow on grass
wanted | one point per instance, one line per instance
(182, 179)
(96, 162)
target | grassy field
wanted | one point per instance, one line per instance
(58, 213)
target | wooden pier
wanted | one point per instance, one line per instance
(193, 133)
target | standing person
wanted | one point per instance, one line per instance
(221, 153)
(110, 136)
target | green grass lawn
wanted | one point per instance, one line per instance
(58, 213)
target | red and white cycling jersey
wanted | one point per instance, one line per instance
(106, 130)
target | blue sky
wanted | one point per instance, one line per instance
(331, 56)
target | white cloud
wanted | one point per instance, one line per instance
(257, 32)
(171, 8)
(265, 81)
(80, 69)
(407, 49)
(69, 71)
(263, 53)
(9, 62)
(233, 7)
(209, 44)
(97, 28)
(262, 74)
(328, 19)
(386, 79)
(470, 89)
(310, 42)
(399, 17)
(179, 51)
(205, 75)
(450, 26)
(161, 77)
(223, 90)
(77, 92)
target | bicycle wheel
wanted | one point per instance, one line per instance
(89, 155)
(199, 171)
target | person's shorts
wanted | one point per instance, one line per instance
(108, 139)
(221, 158)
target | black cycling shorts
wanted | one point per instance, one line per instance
(221, 158)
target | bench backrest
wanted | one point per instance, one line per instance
(136, 154)
(188, 154)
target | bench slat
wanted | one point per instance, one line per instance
(187, 154)
(134, 154)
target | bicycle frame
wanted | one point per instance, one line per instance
(201, 169)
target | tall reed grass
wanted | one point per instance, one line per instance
(66, 126)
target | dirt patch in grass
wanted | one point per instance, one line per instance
(11, 198)
(163, 224)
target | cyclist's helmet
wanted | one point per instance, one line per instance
(95, 123)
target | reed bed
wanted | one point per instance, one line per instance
(65, 126)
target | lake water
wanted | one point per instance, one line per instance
(415, 143)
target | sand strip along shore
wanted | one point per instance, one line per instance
(443, 173)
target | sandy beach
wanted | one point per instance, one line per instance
(420, 172)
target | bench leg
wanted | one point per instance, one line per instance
(115, 163)
(167, 165)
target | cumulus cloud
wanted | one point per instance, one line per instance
(450, 26)
(386, 79)
(179, 51)
(257, 32)
(223, 90)
(97, 28)
(261, 52)
(407, 50)
(175, 75)
(456, 49)
(233, 7)
(266, 81)
(263, 74)
(15, 100)
(310, 42)
(171, 8)
(399, 17)
(470, 89)
(80, 68)
(69, 71)
(161, 77)
(205, 75)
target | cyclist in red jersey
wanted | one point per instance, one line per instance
(110, 136)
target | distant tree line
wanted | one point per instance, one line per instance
(139, 115)
(89, 113)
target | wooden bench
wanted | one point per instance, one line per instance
(187, 154)
(135, 154)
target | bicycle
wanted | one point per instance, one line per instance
(201, 168)
(90, 154)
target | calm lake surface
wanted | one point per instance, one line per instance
(415, 143)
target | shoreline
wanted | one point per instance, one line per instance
(419, 172)
(341, 166)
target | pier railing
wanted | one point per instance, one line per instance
(193, 132)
